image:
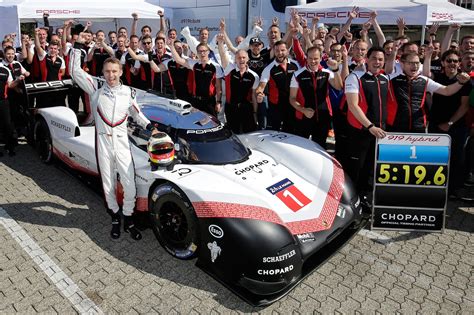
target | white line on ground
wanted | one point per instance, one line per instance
(66, 286)
(385, 240)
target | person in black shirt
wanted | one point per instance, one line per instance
(258, 60)
(447, 116)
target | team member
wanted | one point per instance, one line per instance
(447, 115)
(6, 82)
(52, 68)
(240, 82)
(406, 109)
(257, 62)
(366, 93)
(179, 74)
(159, 82)
(278, 75)
(112, 104)
(206, 78)
(97, 54)
(130, 74)
(15, 97)
(309, 96)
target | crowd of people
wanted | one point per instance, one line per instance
(310, 80)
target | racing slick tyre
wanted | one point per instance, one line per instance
(174, 221)
(43, 142)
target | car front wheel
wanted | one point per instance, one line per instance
(174, 221)
(43, 142)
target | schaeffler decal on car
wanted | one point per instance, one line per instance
(291, 196)
(279, 258)
(216, 231)
(272, 272)
(215, 250)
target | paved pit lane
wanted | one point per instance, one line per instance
(56, 256)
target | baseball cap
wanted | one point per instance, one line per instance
(255, 40)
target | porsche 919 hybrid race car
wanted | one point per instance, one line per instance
(260, 211)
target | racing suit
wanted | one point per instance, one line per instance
(111, 107)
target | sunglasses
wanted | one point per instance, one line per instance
(146, 43)
(452, 60)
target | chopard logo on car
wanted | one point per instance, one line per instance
(272, 272)
(253, 167)
(216, 231)
(60, 126)
(279, 258)
(203, 131)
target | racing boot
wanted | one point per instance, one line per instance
(115, 232)
(129, 227)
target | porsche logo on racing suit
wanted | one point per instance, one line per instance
(215, 250)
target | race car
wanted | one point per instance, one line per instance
(259, 211)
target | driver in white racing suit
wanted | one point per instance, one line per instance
(111, 105)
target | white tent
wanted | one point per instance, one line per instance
(415, 12)
(32, 10)
(105, 14)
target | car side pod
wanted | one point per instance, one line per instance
(257, 260)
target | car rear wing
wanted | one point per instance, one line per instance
(48, 86)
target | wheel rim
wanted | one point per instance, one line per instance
(43, 143)
(173, 225)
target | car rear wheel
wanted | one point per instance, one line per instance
(174, 221)
(43, 141)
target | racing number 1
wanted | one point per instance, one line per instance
(293, 198)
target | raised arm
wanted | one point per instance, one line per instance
(226, 38)
(46, 25)
(179, 60)
(133, 31)
(427, 61)
(390, 62)
(163, 27)
(336, 81)
(134, 56)
(66, 29)
(82, 78)
(346, 27)
(449, 36)
(378, 30)
(39, 50)
(222, 52)
(401, 26)
(449, 90)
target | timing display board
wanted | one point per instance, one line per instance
(411, 182)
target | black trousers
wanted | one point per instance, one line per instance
(458, 133)
(281, 116)
(317, 127)
(240, 117)
(341, 131)
(6, 125)
(361, 159)
(205, 104)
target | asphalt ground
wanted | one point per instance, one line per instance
(57, 257)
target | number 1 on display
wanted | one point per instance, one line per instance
(413, 152)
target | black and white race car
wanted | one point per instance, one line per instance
(260, 211)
